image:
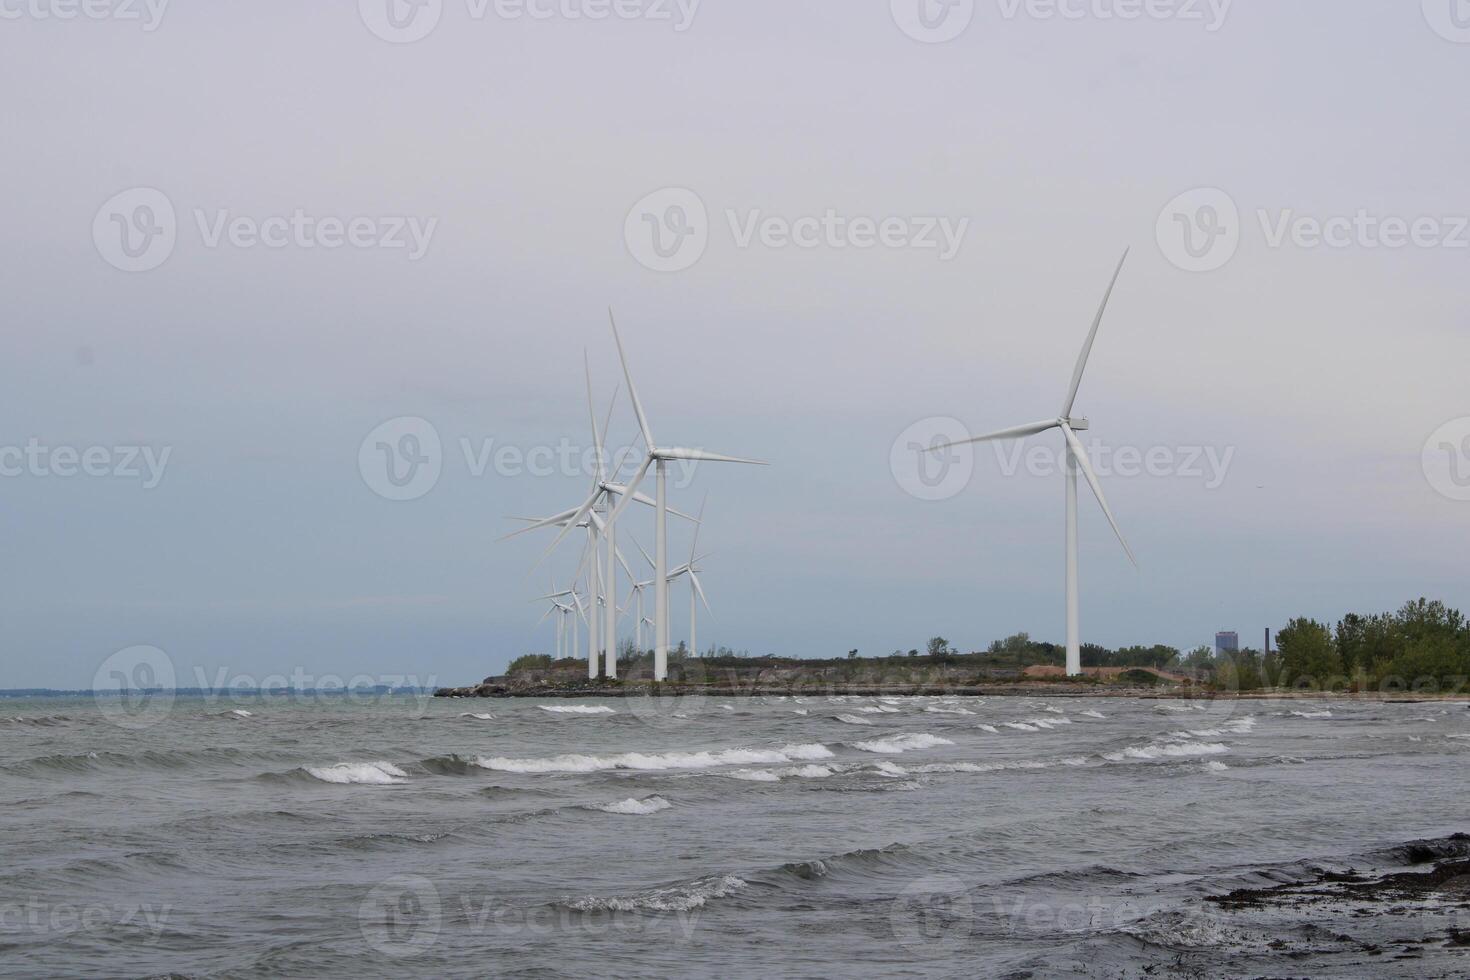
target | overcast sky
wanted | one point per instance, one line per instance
(504, 163)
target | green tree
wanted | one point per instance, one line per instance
(1308, 655)
(938, 646)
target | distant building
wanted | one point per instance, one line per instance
(1227, 643)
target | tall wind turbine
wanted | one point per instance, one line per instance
(1076, 459)
(696, 591)
(658, 457)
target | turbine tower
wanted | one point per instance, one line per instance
(658, 457)
(1076, 460)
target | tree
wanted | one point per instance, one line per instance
(1308, 654)
(1200, 658)
(852, 655)
(938, 646)
(530, 661)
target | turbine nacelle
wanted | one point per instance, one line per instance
(1077, 424)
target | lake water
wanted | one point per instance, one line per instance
(402, 836)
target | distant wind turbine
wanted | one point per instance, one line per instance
(1076, 459)
(658, 456)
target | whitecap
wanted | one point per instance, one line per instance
(366, 773)
(989, 728)
(1092, 714)
(755, 775)
(653, 762)
(1181, 750)
(577, 709)
(1215, 765)
(477, 715)
(242, 713)
(632, 807)
(676, 898)
(894, 744)
(852, 720)
(947, 709)
(1313, 714)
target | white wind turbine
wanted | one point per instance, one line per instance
(696, 590)
(1076, 459)
(602, 579)
(658, 456)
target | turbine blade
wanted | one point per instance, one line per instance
(538, 524)
(606, 428)
(698, 522)
(645, 555)
(576, 519)
(598, 474)
(628, 497)
(1091, 336)
(546, 615)
(1015, 432)
(700, 589)
(624, 562)
(699, 455)
(1097, 491)
(632, 388)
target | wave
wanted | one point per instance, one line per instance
(989, 728)
(45, 721)
(363, 773)
(1176, 751)
(852, 720)
(945, 709)
(477, 715)
(799, 711)
(894, 744)
(653, 762)
(1313, 714)
(776, 775)
(632, 807)
(1215, 765)
(1092, 714)
(674, 898)
(577, 709)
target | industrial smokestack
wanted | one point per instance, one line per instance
(1267, 648)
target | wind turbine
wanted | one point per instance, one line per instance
(695, 589)
(658, 457)
(1076, 459)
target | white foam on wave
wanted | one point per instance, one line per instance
(947, 709)
(1020, 726)
(631, 807)
(755, 775)
(890, 769)
(989, 728)
(364, 773)
(658, 761)
(852, 720)
(577, 709)
(894, 744)
(1179, 750)
(1215, 765)
(799, 711)
(676, 898)
(1313, 714)
(242, 713)
(477, 715)
(1092, 714)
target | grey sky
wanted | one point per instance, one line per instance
(528, 141)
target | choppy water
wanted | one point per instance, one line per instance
(777, 837)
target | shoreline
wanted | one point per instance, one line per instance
(631, 689)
